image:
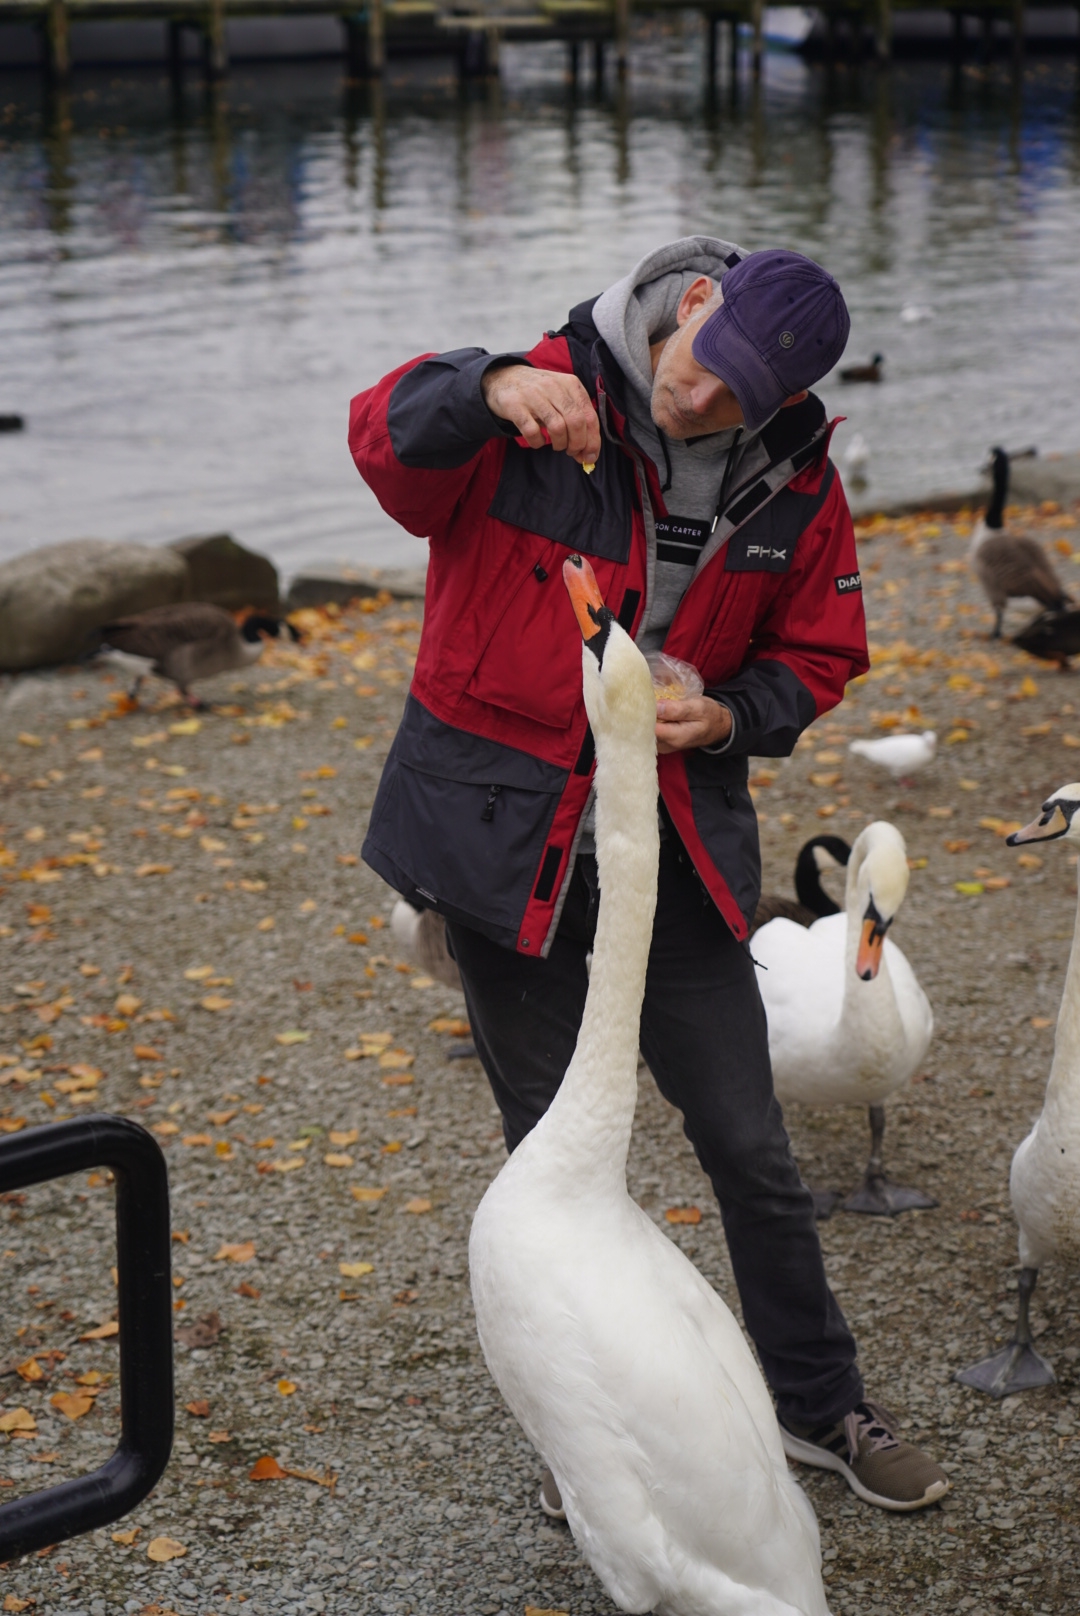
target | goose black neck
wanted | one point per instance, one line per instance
(258, 623)
(995, 511)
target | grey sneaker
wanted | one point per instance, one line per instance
(879, 1467)
(550, 1497)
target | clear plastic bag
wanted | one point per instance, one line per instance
(673, 680)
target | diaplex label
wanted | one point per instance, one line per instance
(849, 583)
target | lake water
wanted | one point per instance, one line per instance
(191, 291)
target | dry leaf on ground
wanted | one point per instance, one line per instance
(71, 1406)
(355, 1270)
(338, 1159)
(419, 1203)
(199, 1409)
(202, 1332)
(361, 1194)
(267, 1469)
(162, 1549)
(241, 1252)
(17, 1419)
(683, 1214)
(103, 1332)
(30, 1369)
(128, 1537)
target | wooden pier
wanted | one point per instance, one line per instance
(472, 30)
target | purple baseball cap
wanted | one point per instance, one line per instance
(783, 325)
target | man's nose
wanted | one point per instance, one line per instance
(706, 393)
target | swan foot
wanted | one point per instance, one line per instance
(1016, 1368)
(825, 1203)
(879, 1197)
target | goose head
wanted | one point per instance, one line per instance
(617, 684)
(1059, 818)
(256, 624)
(877, 882)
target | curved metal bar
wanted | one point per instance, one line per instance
(145, 1313)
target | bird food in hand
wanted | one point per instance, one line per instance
(673, 680)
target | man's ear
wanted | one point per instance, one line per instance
(693, 300)
(796, 398)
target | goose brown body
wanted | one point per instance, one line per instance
(188, 641)
(1011, 566)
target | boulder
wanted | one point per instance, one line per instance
(325, 582)
(226, 574)
(52, 599)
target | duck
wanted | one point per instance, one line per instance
(864, 373)
(903, 753)
(819, 854)
(849, 1023)
(624, 1367)
(1044, 1184)
(1010, 565)
(184, 642)
(1053, 636)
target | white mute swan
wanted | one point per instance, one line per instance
(625, 1369)
(848, 1021)
(1045, 1178)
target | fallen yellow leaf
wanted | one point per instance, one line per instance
(286, 1387)
(154, 869)
(103, 1331)
(12, 1602)
(418, 1204)
(213, 1001)
(242, 1252)
(267, 1469)
(30, 1369)
(683, 1214)
(338, 1159)
(344, 1136)
(198, 973)
(360, 1194)
(192, 1139)
(17, 1419)
(266, 925)
(355, 1270)
(451, 1024)
(292, 1036)
(128, 1537)
(1041, 1021)
(72, 1406)
(187, 726)
(162, 1549)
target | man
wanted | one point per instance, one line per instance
(668, 433)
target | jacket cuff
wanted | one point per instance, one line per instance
(724, 746)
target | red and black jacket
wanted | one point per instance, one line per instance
(481, 800)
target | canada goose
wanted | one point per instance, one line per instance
(1053, 636)
(848, 1022)
(1010, 565)
(185, 642)
(864, 373)
(902, 754)
(820, 853)
(624, 1367)
(1045, 1183)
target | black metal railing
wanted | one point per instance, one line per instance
(145, 1315)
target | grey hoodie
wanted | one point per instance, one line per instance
(637, 311)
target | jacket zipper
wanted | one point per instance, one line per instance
(489, 807)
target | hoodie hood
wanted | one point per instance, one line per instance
(640, 309)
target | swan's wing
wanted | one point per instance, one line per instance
(801, 980)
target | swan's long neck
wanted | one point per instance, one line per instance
(1064, 1081)
(589, 1123)
(868, 1007)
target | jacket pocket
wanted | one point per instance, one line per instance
(531, 663)
(548, 493)
(726, 822)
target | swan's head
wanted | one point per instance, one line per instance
(1059, 817)
(618, 688)
(877, 882)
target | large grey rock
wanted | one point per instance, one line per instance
(52, 599)
(226, 574)
(323, 582)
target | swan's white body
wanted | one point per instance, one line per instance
(625, 1369)
(833, 1038)
(902, 755)
(1045, 1178)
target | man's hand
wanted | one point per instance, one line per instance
(697, 721)
(545, 401)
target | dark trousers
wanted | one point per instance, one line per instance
(704, 1036)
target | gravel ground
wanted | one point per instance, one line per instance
(184, 911)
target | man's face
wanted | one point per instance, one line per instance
(688, 401)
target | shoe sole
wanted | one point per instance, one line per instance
(821, 1459)
(552, 1514)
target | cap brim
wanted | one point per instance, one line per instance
(721, 347)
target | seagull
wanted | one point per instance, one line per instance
(856, 459)
(913, 313)
(903, 755)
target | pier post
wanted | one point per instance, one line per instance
(883, 30)
(376, 39)
(1018, 34)
(733, 42)
(757, 14)
(355, 48)
(622, 36)
(957, 36)
(57, 41)
(217, 53)
(175, 38)
(598, 66)
(712, 30)
(492, 42)
(573, 62)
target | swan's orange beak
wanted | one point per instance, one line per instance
(585, 595)
(871, 944)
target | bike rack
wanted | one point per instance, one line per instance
(144, 1290)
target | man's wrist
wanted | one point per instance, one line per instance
(727, 734)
